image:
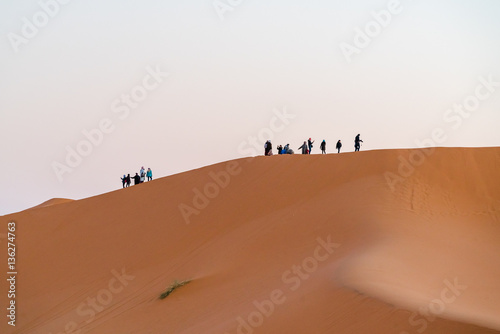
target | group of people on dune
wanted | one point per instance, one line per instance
(306, 148)
(138, 177)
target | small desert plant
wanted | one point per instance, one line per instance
(176, 284)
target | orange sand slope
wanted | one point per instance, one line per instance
(53, 201)
(391, 241)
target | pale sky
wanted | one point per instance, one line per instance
(230, 70)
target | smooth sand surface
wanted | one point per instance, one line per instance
(287, 244)
(53, 201)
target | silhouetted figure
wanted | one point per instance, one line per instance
(339, 146)
(124, 180)
(304, 148)
(357, 143)
(137, 179)
(269, 148)
(280, 149)
(128, 180)
(310, 145)
(323, 147)
(287, 149)
(149, 174)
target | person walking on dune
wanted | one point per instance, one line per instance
(269, 148)
(323, 147)
(310, 145)
(339, 146)
(303, 148)
(357, 143)
(137, 179)
(128, 180)
(149, 174)
(124, 180)
(143, 174)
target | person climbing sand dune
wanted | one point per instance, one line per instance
(357, 143)
(143, 174)
(137, 179)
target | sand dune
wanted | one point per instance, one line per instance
(53, 201)
(344, 243)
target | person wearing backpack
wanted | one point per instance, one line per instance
(124, 180)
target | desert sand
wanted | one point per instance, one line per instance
(341, 243)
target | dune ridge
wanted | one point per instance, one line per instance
(281, 244)
(53, 201)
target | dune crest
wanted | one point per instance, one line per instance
(53, 201)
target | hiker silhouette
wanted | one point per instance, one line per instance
(357, 143)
